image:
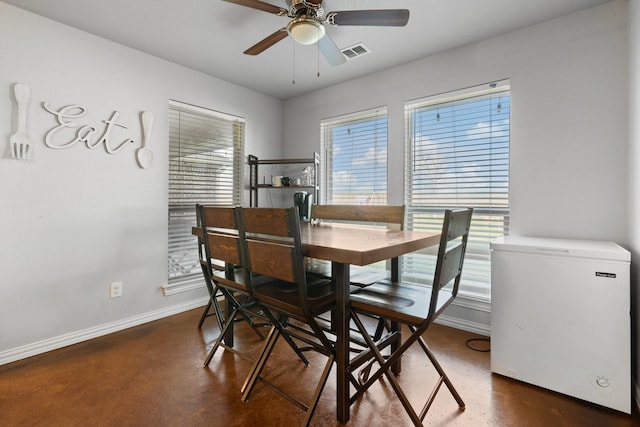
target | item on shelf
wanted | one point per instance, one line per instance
(306, 176)
(286, 181)
(276, 181)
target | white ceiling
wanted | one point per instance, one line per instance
(210, 35)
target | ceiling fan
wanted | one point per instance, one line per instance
(307, 24)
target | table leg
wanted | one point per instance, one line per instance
(395, 326)
(341, 276)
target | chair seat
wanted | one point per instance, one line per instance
(284, 295)
(404, 302)
(365, 276)
(359, 275)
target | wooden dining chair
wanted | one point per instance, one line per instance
(224, 276)
(372, 215)
(213, 305)
(416, 306)
(272, 248)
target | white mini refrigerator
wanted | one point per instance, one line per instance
(560, 317)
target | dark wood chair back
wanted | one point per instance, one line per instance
(453, 245)
(273, 248)
(359, 213)
(221, 233)
(221, 243)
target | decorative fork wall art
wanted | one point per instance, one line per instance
(20, 142)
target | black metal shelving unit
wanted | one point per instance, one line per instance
(254, 173)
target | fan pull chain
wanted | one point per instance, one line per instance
(293, 81)
(318, 44)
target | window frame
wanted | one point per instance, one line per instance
(327, 144)
(192, 179)
(490, 220)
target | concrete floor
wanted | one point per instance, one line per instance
(152, 375)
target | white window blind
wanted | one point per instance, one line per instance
(457, 155)
(205, 166)
(354, 157)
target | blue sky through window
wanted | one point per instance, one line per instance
(460, 153)
(359, 160)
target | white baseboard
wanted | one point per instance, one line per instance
(28, 350)
(465, 325)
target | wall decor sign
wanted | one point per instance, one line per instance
(86, 134)
(89, 135)
(92, 138)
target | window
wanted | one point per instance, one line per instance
(457, 155)
(205, 166)
(354, 155)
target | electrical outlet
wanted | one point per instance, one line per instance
(115, 290)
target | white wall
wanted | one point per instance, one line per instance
(568, 130)
(634, 176)
(73, 220)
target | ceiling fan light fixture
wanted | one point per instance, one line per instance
(305, 30)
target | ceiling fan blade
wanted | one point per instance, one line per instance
(267, 42)
(260, 5)
(330, 51)
(387, 18)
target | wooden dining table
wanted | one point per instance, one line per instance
(346, 245)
